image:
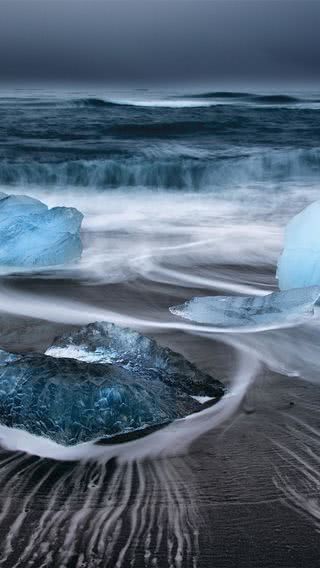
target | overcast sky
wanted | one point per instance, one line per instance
(160, 40)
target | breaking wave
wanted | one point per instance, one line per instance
(205, 99)
(167, 172)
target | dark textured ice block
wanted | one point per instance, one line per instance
(127, 384)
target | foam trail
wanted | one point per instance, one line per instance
(16, 484)
(16, 526)
(133, 525)
(47, 520)
(78, 519)
(101, 517)
(301, 455)
(118, 505)
(54, 309)
(171, 276)
(277, 349)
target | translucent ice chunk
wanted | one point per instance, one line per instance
(299, 263)
(70, 401)
(278, 308)
(33, 235)
(103, 342)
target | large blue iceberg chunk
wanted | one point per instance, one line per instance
(299, 263)
(126, 386)
(33, 235)
(278, 308)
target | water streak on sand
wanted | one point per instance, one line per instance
(106, 499)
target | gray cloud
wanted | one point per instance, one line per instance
(165, 40)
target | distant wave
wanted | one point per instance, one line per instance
(94, 102)
(202, 100)
(249, 97)
(275, 99)
(182, 101)
(219, 95)
(167, 172)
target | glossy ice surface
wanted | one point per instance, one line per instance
(299, 263)
(102, 381)
(33, 235)
(278, 308)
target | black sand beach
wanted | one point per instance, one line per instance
(245, 495)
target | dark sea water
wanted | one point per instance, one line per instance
(116, 141)
(183, 194)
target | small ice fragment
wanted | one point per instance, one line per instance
(277, 308)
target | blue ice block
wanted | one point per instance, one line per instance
(33, 235)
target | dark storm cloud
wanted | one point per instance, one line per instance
(165, 40)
